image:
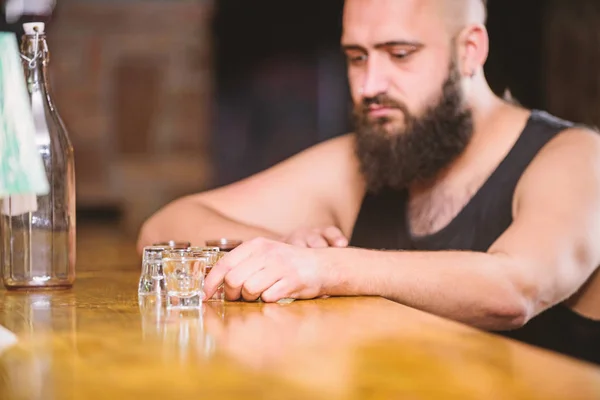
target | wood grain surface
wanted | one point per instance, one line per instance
(100, 341)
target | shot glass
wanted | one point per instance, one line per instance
(213, 254)
(151, 279)
(173, 244)
(184, 277)
(224, 245)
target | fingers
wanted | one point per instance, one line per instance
(217, 275)
(310, 238)
(296, 241)
(266, 269)
(335, 237)
(259, 282)
(279, 290)
(316, 240)
(236, 278)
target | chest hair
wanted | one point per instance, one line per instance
(431, 211)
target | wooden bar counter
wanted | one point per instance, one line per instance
(97, 341)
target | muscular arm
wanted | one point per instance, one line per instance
(317, 187)
(548, 252)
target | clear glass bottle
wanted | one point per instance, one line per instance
(38, 232)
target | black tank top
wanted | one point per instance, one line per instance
(382, 224)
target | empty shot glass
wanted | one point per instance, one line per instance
(225, 245)
(184, 277)
(213, 254)
(173, 244)
(151, 279)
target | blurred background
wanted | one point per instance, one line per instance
(164, 98)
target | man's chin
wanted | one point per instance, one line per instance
(387, 126)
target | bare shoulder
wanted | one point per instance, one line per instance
(569, 162)
(574, 149)
(318, 186)
(336, 153)
(576, 138)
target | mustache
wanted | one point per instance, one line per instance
(381, 100)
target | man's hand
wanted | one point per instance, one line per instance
(267, 269)
(330, 236)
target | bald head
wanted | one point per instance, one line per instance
(460, 13)
(454, 14)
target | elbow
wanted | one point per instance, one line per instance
(508, 308)
(511, 316)
(513, 297)
(512, 311)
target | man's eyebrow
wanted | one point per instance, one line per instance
(393, 43)
(399, 43)
(354, 47)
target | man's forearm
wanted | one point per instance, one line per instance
(464, 286)
(193, 222)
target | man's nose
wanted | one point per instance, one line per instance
(376, 80)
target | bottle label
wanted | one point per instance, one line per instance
(18, 204)
(21, 166)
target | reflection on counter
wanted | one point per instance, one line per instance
(42, 312)
(261, 337)
(26, 373)
(187, 333)
(28, 369)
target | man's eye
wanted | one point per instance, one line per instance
(356, 58)
(400, 55)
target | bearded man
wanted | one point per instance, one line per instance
(445, 198)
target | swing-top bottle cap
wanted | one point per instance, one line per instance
(30, 28)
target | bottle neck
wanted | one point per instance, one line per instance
(36, 57)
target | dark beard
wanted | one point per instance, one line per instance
(420, 150)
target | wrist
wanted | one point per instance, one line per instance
(329, 272)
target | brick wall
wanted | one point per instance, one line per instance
(132, 80)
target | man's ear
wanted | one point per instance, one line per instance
(473, 49)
